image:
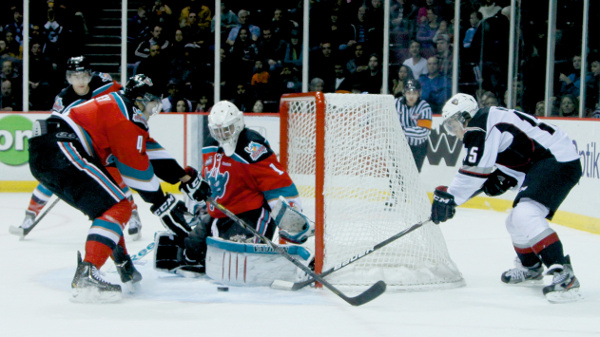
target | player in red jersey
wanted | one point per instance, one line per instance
(244, 176)
(84, 84)
(69, 154)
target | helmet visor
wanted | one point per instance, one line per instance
(152, 104)
(454, 125)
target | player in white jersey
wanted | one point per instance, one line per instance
(506, 148)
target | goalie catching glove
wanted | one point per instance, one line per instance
(497, 183)
(293, 226)
(443, 207)
(172, 215)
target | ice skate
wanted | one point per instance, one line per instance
(135, 226)
(25, 227)
(129, 275)
(88, 287)
(565, 286)
(523, 275)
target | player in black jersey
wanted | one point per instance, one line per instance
(506, 148)
(84, 84)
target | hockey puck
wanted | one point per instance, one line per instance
(223, 288)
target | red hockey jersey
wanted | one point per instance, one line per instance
(250, 176)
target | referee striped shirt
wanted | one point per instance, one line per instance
(415, 120)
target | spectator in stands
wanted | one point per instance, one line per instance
(13, 47)
(436, 88)
(16, 24)
(244, 23)
(361, 28)
(540, 109)
(8, 100)
(569, 106)
(288, 81)
(143, 49)
(422, 11)
(5, 54)
(243, 53)
(190, 71)
(343, 80)
(41, 76)
(10, 72)
(403, 16)
(260, 81)
(282, 26)
(359, 62)
(491, 100)
(203, 15)
(271, 49)
(474, 19)
(228, 20)
(183, 105)
(337, 32)
(316, 84)
(416, 62)
(154, 67)
(489, 8)
(371, 80)
(444, 54)
(426, 30)
(293, 51)
(161, 13)
(137, 26)
(571, 83)
(203, 104)
(242, 98)
(321, 64)
(592, 82)
(169, 103)
(258, 106)
(177, 46)
(398, 83)
(190, 28)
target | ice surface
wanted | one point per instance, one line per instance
(35, 276)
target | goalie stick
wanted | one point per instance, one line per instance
(285, 285)
(143, 252)
(368, 295)
(22, 232)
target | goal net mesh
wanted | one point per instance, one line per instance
(371, 191)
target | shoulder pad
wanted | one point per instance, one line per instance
(252, 146)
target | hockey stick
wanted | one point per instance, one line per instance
(285, 285)
(143, 252)
(22, 232)
(373, 292)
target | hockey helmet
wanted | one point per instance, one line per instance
(140, 89)
(457, 111)
(78, 71)
(412, 85)
(225, 123)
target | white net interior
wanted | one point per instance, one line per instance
(371, 192)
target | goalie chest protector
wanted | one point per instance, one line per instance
(249, 264)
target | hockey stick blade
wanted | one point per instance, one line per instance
(299, 285)
(22, 232)
(368, 295)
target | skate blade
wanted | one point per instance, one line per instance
(564, 296)
(93, 295)
(18, 231)
(131, 287)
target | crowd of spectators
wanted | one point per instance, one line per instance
(261, 50)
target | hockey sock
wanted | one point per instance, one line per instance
(553, 254)
(106, 233)
(39, 199)
(528, 259)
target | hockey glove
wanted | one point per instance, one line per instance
(497, 183)
(196, 188)
(443, 207)
(171, 213)
(293, 226)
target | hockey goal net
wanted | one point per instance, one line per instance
(357, 179)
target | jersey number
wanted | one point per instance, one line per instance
(140, 144)
(472, 158)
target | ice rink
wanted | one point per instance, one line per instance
(35, 276)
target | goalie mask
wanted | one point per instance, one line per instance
(139, 89)
(225, 123)
(457, 111)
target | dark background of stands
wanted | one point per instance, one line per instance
(184, 69)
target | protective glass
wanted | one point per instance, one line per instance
(454, 125)
(79, 77)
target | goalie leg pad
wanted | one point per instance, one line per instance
(168, 251)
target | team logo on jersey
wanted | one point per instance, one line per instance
(58, 104)
(255, 150)
(217, 181)
(105, 77)
(138, 117)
